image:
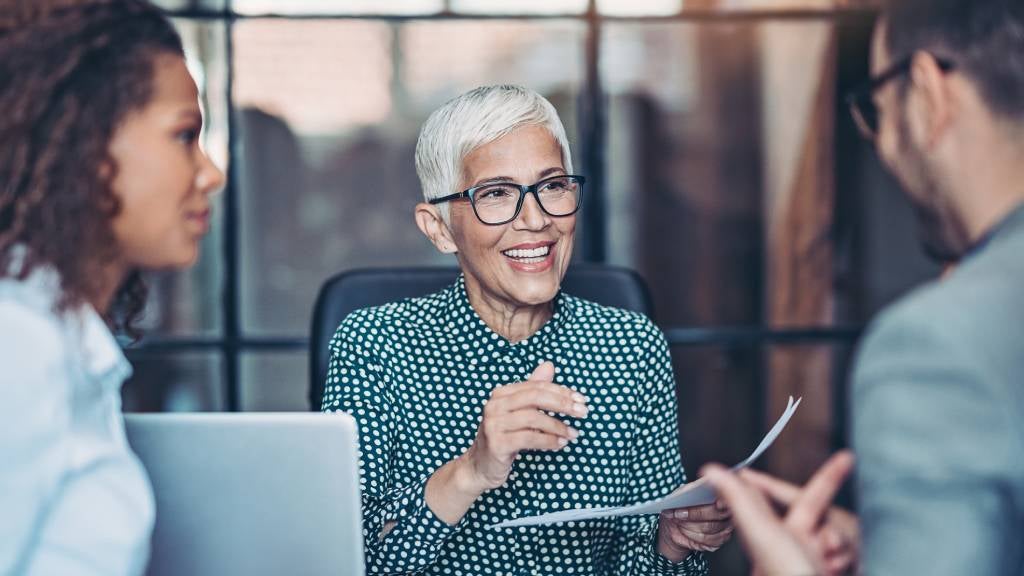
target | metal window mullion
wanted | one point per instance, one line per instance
(230, 297)
(592, 130)
(676, 336)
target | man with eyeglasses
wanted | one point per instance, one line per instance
(938, 389)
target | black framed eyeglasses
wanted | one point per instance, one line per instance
(501, 202)
(862, 103)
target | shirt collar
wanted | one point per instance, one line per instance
(102, 356)
(91, 340)
(468, 332)
(1012, 221)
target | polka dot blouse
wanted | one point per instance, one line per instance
(415, 375)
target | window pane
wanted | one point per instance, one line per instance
(174, 382)
(187, 303)
(339, 7)
(519, 6)
(723, 140)
(274, 382)
(730, 395)
(683, 128)
(329, 113)
(639, 7)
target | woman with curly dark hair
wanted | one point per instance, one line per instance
(101, 177)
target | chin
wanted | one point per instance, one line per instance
(535, 290)
(184, 258)
(535, 298)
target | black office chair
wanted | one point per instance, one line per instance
(355, 289)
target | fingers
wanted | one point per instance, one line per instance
(540, 393)
(846, 525)
(545, 396)
(534, 420)
(533, 440)
(770, 546)
(682, 536)
(840, 563)
(544, 372)
(702, 527)
(705, 542)
(707, 513)
(777, 490)
(832, 541)
(713, 542)
(750, 511)
(816, 497)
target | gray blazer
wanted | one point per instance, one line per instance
(938, 421)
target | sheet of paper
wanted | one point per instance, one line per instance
(695, 493)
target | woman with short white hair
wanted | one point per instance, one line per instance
(501, 396)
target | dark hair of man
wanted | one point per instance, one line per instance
(70, 72)
(983, 38)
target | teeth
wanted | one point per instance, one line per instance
(541, 252)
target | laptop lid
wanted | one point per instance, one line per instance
(255, 494)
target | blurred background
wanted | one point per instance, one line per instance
(721, 162)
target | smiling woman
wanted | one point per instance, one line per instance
(502, 396)
(516, 263)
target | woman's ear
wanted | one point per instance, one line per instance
(433, 226)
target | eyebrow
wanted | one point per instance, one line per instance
(502, 179)
(191, 115)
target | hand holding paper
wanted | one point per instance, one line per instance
(693, 494)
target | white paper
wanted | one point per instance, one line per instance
(696, 493)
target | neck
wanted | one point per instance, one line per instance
(994, 184)
(512, 321)
(991, 203)
(113, 277)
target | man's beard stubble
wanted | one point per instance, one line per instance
(942, 236)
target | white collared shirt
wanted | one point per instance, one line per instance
(74, 499)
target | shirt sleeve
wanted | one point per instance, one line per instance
(34, 411)
(937, 451)
(657, 467)
(401, 533)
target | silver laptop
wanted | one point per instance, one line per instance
(253, 494)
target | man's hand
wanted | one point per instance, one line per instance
(790, 545)
(838, 537)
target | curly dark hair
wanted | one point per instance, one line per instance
(70, 72)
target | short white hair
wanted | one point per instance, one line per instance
(475, 119)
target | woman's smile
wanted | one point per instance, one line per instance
(531, 257)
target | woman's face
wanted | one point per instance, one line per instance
(520, 263)
(163, 177)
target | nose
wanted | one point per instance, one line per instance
(210, 178)
(531, 216)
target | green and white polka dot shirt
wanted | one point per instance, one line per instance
(415, 375)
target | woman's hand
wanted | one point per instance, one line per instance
(514, 420)
(700, 528)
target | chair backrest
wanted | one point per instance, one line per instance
(363, 288)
